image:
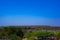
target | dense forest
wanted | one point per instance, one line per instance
(29, 32)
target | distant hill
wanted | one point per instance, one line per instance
(37, 27)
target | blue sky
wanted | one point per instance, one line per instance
(29, 12)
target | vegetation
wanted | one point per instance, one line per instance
(12, 33)
(57, 34)
(16, 33)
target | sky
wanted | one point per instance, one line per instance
(29, 12)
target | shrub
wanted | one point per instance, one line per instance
(14, 37)
(57, 34)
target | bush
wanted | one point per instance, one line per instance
(51, 34)
(38, 34)
(31, 36)
(28, 35)
(57, 34)
(14, 37)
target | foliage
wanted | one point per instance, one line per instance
(51, 34)
(32, 38)
(1, 34)
(38, 34)
(28, 35)
(15, 37)
(15, 33)
(8, 31)
(33, 35)
(57, 34)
